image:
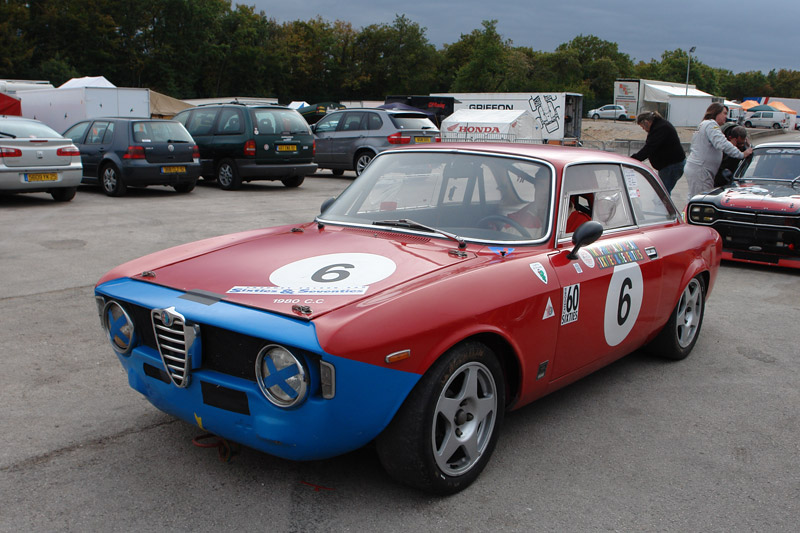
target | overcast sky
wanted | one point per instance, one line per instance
(737, 35)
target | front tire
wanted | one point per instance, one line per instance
(337, 171)
(111, 180)
(748, 124)
(292, 182)
(64, 194)
(228, 176)
(183, 188)
(680, 334)
(595, 117)
(444, 434)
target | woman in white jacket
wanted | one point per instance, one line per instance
(708, 145)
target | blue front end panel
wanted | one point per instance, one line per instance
(366, 399)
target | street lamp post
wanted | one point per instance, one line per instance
(688, 62)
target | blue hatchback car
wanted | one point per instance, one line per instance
(118, 153)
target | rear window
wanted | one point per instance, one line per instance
(411, 121)
(160, 132)
(23, 128)
(269, 121)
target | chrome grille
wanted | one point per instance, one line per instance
(175, 340)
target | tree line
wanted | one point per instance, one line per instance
(209, 48)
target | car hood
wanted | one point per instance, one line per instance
(761, 197)
(299, 270)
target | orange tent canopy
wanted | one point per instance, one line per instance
(781, 106)
(747, 104)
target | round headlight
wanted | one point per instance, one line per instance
(281, 376)
(119, 327)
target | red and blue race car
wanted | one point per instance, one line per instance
(447, 285)
(758, 215)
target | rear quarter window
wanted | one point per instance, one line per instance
(201, 121)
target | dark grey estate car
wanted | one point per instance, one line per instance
(122, 152)
(349, 139)
(241, 142)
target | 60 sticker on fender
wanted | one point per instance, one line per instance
(331, 274)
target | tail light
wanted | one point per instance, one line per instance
(134, 152)
(69, 151)
(250, 148)
(10, 152)
(195, 152)
(397, 138)
(438, 139)
(314, 148)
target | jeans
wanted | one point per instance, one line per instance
(670, 174)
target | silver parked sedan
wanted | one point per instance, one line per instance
(34, 158)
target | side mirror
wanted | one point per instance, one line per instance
(326, 204)
(587, 233)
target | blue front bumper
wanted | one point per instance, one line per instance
(366, 399)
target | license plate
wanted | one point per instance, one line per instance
(422, 139)
(173, 170)
(287, 147)
(42, 176)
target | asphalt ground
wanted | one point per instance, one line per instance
(706, 444)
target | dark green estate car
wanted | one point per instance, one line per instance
(251, 142)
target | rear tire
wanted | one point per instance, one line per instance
(337, 171)
(361, 161)
(228, 175)
(444, 433)
(680, 333)
(111, 180)
(64, 194)
(294, 181)
(776, 126)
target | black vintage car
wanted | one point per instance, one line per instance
(758, 215)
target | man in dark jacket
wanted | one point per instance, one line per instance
(662, 147)
(737, 135)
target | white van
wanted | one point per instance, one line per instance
(767, 119)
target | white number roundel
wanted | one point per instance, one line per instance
(623, 302)
(334, 270)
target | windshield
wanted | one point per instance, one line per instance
(160, 131)
(479, 198)
(412, 121)
(27, 129)
(771, 163)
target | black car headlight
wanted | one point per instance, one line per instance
(118, 326)
(281, 376)
(702, 214)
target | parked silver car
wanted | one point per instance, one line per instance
(617, 112)
(34, 158)
(350, 138)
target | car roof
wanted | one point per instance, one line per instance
(381, 110)
(779, 144)
(19, 118)
(558, 155)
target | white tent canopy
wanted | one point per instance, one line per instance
(87, 81)
(654, 92)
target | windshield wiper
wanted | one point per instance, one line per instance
(8, 135)
(176, 141)
(410, 224)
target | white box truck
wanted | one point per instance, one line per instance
(61, 108)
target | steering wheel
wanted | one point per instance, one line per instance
(505, 221)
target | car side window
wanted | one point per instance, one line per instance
(201, 121)
(374, 121)
(596, 192)
(109, 134)
(96, 133)
(648, 200)
(231, 122)
(352, 122)
(77, 132)
(328, 123)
